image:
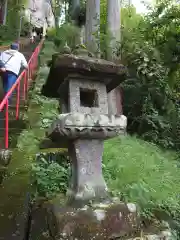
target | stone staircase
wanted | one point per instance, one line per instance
(15, 126)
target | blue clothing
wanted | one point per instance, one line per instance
(15, 46)
(9, 79)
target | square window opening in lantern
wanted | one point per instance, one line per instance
(88, 98)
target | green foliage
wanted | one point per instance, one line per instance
(50, 174)
(151, 91)
(51, 34)
(150, 49)
(10, 30)
(163, 31)
(140, 172)
(4, 35)
(67, 33)
(25, 29)
(148, 107)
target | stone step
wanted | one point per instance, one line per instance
(3, 171)
(13, 124)
(22, 106)
(12, 113)
(14, 97)
(13, 138)
(38, 226)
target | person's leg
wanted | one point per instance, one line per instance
(10, 80)
(5, 82)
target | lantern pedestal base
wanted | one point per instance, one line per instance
(98, 221)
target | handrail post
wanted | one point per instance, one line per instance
(7, 125)
(18, 100)
(30, 71)
(32, 67)
(25, 85)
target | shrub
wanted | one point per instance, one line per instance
(25, 30)
(67, 33)
(5, 33)
(50, 174)
(150, 93)
(51, 34)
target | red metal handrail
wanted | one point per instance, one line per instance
(24, 77)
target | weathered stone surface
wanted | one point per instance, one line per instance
(86, 126)
(81, 120)
(166, 235)
(100, 221)
(87, 97)
(88, 64)
(87, 181)
(62, 65)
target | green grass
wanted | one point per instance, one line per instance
(140, 172)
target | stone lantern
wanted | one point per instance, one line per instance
(82, 83)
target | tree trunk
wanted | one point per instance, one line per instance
(113, 27)
(66, 11)
(92, 28)
(75, 5)
(5, 12)
(114, 30)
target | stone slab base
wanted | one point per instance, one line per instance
(38, 227)
(106, 220)
(5, 157)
